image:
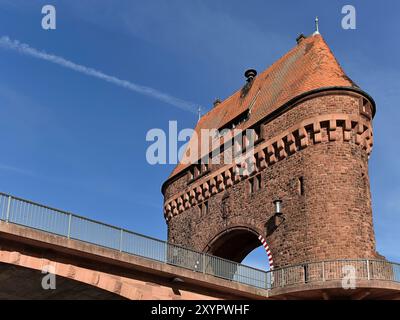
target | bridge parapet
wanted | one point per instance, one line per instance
(71, 226)
(29, 221)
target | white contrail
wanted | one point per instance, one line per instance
(4, 167)
(7, 43)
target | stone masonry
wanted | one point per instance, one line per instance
(312, 154)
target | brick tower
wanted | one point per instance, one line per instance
(313, 129)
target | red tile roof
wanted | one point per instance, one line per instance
(308, 66)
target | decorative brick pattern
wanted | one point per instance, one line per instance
(324, 141)
(275, 150)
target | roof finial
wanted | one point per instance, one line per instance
(199, 113)
(316, 27)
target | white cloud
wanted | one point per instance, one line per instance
(15, 45)
(196, 29)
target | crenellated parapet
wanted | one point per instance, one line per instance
(320, 129)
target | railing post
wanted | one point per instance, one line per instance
(69, 226)
(8, 208)
(167, 259)
(368, 274)
(204, 262)
(120, 240)
(282, 278)
(272, 278)
(323, 270)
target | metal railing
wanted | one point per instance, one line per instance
(345, 270)
(33, 215)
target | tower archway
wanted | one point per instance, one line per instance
(236, 243)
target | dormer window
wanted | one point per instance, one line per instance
(365, 108)
(244, 116)
(254, 184)
(258, 133)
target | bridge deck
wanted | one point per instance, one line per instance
(27, 227)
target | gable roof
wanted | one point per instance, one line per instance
(310, 65)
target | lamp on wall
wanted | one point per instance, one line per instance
(278, 207)
(276, 219)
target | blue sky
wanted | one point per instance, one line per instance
(78, 143)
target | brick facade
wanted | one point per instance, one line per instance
(314, 157)
(332, 219)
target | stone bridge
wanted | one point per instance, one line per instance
(88, 266)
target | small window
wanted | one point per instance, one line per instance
(237, 145)
(251, 136)
(255, 183)
(257, 134)
(246, 140)
(301, 186)
(251, 185)
(365, 107)
(203, 208)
